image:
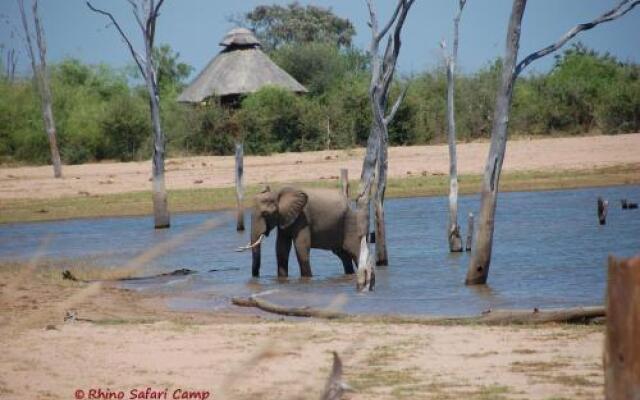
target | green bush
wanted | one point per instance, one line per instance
(101, 112)
(126, 127)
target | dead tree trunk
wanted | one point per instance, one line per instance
(381, 186)
(382, 71)
(148, 69)
(603, 205)
(454, 237)
(469, 243)
(41, 76)
(10, 67)
(344, 182)
(239, 190)
(481, 255)
(622, 353)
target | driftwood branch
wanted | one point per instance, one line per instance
(618, 11)
(576, 315)
(335, 386)
(255, 301)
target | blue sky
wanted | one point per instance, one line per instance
(194, 28)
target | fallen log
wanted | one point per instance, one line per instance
(255, 301)
(575, 315)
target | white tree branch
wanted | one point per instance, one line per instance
(621, 9)
(396, 106)
(392, 19)
(140, 61)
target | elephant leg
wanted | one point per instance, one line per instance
(346, 261)
(302, 243)
(283, 248)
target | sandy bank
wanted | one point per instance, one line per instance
(215, 172)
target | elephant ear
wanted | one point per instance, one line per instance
(290, 204)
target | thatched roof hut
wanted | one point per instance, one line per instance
(240, 68)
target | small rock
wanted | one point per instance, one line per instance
(409, 173)
(298, 162)
(84, 193)
(51, 327)
(198, 181)
(42, 211)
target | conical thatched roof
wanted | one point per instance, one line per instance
(238, 69)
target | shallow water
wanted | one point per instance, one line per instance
(549, 251)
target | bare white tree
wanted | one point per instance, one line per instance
(10, 60)
(375, 162)
(146, 13)
(453, 232)
(41, 76)
(478, 270)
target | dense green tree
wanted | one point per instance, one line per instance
(277, 25)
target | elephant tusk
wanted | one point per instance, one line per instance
(251, 246)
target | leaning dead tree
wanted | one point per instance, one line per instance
(146, 13)
(453, 232)
(41, 76)
(478, 270)
(374, 168)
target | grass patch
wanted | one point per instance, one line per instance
(194, 200)
(377, 377)
(537, 366)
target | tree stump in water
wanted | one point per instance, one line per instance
(239, 190)
(622, 349)
(469, 233)
(602, 210)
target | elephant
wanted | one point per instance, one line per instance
(306, 218)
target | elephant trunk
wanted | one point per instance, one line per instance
(255, 266)
(258, 230)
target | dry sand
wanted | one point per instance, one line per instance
(212, 172)
(133, 343)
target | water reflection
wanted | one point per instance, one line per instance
(549, 251)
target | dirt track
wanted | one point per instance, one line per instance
(210, 172)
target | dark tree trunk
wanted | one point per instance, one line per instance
(622, 352)
(481, 256)
(239, 190)
(602, 211)
(381, 187)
